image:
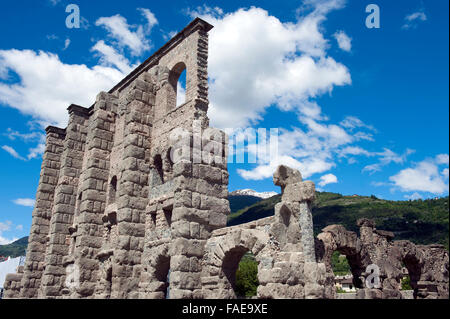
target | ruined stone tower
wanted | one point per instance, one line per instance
(133, 202)
(110, 198)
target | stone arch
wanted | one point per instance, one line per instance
(412, 259)
(337, 238)
(154, 282)
(221, 262)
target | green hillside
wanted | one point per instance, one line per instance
(15, 249)
(241, 201)
(421, 221)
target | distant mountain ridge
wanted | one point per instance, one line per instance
(15, 249)
(420, 221)
(251, 192)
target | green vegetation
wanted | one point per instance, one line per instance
(15, 249)
(261, 209)
(242, 201)
(339, 290)
(247, 277)
(420, 221)
(406, 283)
(340, 264)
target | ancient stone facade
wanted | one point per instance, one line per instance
(132, 203)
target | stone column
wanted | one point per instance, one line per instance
(200, 206)
(34, 264)
(64, 202)
(133, 189)
(88, 224)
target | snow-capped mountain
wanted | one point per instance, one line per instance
(251, 192)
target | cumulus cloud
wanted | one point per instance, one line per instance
(27, 202)
(327, 179)
(343, 40)
(48, 86)
(411, 20)
(285, 64)
(110, 57)
(423, 176)
(277, 63)
(125, 35)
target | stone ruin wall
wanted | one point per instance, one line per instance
(115, 215)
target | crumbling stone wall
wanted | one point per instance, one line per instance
(132, 203)
(428, 266)
(283, 246)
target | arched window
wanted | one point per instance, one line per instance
(181, 89)
(177, 80)
(112, 190)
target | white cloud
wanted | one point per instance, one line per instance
(181, 94)
(28, 202)
(151, 19)
(412, 19)
(48, 86)
(36, 151)
(283, 64)
(278, 63)
(133, 37)
(66, 44)
(6, 226)
(110, 57)
(343, 40)
(12, 152)
(352, 122)
(442, 159)
(354, 150)
(445, 173)
(13, 135)
(413, 196)
(385, 158)
(423, 176)
(328, 179)
(19, 227)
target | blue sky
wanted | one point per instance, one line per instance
(359, 110)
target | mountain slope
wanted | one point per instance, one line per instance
(15, 249)
(421, 221)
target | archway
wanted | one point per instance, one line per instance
(162, 275)
(177, 89)
(224, 259)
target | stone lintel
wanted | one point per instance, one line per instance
(79, 110)
(56, 130)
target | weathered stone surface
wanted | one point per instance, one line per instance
(132, 203)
